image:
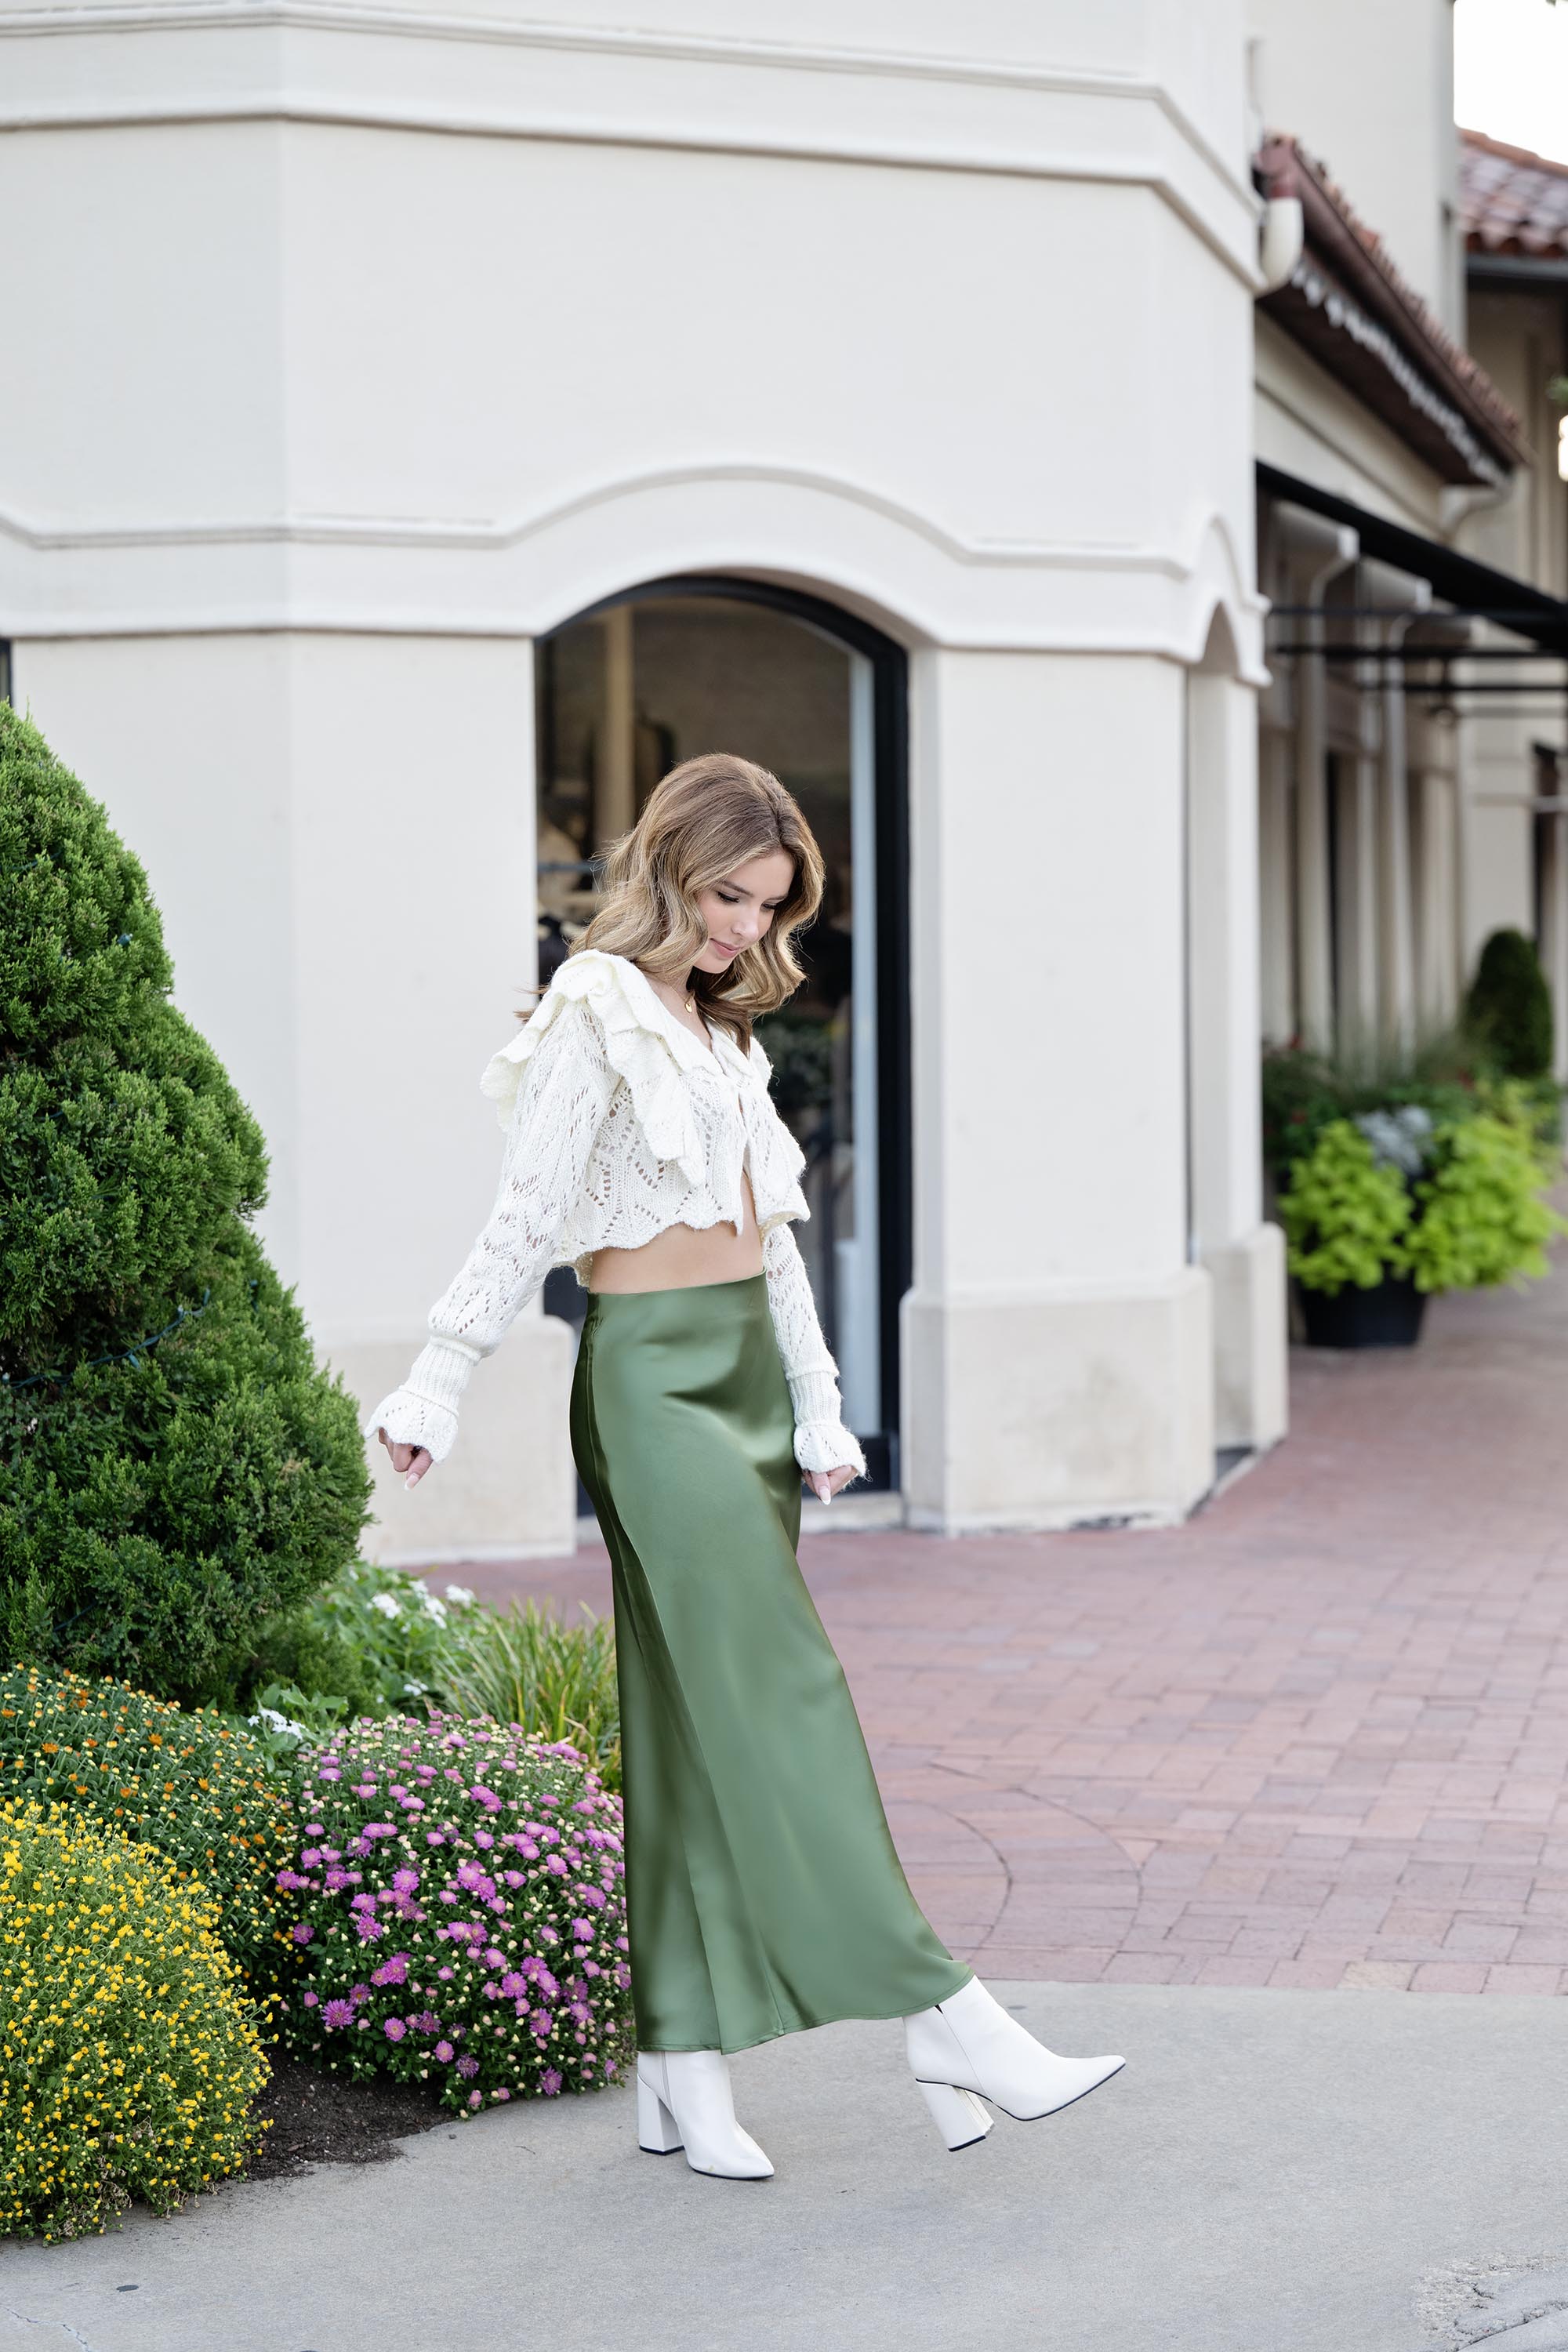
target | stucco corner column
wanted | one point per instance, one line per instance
(1243, 1257)
(1088, 1406)
(1058, 1345)
(409, 980)
(510, 1490)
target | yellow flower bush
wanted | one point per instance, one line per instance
(128, 2057)
(206, 1793)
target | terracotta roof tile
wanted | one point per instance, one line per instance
(1357, 257)
(1512, 201)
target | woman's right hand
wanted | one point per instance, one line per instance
(414, 1459)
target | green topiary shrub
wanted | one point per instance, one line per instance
(130, 2053)
(1508, 1009)
(174, 1467)
(205, 1792)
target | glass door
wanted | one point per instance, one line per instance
(624, 693)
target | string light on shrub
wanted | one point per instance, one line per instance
(131, 1355)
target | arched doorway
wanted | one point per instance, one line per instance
(701, 663)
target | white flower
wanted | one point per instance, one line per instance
(385, 1603)
(433, 1608)
(462, 1594)
(269, 1717)
(1399, 1139)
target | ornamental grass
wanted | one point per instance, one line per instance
(521, 1665)
(461, 1910)
(202, 1792)
(130, 2057)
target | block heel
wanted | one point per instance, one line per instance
(959, 2116)
(658, 2132)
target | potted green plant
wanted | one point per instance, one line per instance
(1390, 1205)
(1346, 1214)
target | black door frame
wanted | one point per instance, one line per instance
(890, 757)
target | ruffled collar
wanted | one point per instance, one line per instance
(651, 1008)
(644, 1043)
(653, 1012)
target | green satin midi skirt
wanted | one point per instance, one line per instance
(763, 1892)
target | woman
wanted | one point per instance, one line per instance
(763, 1892)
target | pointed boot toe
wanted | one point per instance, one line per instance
(684, 2101)
(970, 2043)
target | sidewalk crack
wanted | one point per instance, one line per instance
(63, 2325)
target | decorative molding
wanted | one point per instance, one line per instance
(1176, 163)
(443, 576)
(460, 531)
(684, 49)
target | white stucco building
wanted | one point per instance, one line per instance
(433, 422)
(1414, 532)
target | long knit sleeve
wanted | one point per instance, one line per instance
(821, 1440)
(561, 1105)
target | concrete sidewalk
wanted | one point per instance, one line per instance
(1275, 2172)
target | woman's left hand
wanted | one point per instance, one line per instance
(825, 1484)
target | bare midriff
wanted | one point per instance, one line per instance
(682, 1258)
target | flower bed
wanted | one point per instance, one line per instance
(368, 1642)
(202, 1792)
(131, 2056)
(461, 1910)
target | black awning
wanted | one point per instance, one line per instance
(1459, 580)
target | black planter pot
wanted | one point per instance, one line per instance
(1389, 1315)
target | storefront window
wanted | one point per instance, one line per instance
(624, 695)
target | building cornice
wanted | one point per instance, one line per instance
(1348, 305)
(319, 61)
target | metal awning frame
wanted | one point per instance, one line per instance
(1474, 590)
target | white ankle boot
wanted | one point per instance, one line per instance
(684, 2101)
(968, 2048)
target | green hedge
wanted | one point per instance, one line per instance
(1508, 1011)
(173, 1466)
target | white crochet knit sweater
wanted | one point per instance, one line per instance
(620, 1123)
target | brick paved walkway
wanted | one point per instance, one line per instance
(1315, 1738)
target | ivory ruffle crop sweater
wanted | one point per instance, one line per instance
(620, 1123)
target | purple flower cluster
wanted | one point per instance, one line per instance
(461, 1899)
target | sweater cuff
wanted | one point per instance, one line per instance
(827, 1445)
(821, 1440)
(423, 1411)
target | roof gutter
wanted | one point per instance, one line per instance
(1370, 329)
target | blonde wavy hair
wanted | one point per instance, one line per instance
(704, 819)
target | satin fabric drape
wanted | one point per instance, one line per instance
(763, 1890)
